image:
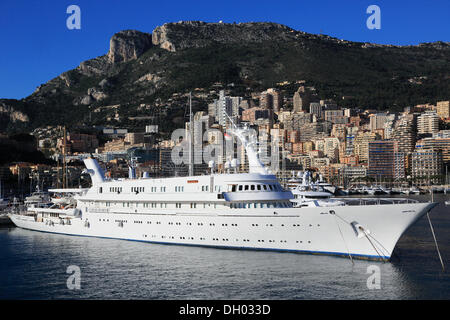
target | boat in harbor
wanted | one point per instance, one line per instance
(415, 190)
(226, 210)
(38, 199)
(308, 194)
(325, 185)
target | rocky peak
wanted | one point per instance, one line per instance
(128, 45)
(186, 34)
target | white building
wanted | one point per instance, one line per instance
(428, 122)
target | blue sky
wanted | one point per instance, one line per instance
(36, 45)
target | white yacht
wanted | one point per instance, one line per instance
(38, 199)
(325, 185)
(230, 210)
(307, 194)
(372, 190)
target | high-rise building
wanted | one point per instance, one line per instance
(361, 144)
(428, 123)
(236, 108)
(348, 112)
(377, 121)
(311, 131)
(328, 104)
(294, 121)
(427, 166)
(350, 145)
(331, 148)
(339, 131)
(225, 106)
(382, 159)
(301, 100)
(265, 100)
(442, 134)
(443, 109)
(253, 114)
(400, 165)
(316, 108)
(388, 127)
(405, 133)
(441, 144)
(274, 99)
(336, 116)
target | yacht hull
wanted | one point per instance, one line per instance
(365, 232)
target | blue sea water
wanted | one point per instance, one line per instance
(33, 265)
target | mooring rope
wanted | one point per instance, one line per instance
(435, 241)
(367, 236)
(378, 242)
(342, 235)
(373, 246)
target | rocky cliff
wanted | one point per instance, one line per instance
(128, 45)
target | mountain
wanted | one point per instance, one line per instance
(142, 73)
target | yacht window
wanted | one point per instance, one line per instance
(258, 187)
(264, 187)
(246, 187)
(240, 187)
(270, 187)
(252, 187)
(233, 188)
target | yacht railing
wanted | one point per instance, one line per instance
(375, 201)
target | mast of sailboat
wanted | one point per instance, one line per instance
(191, 137)
(64, 160)
(57, 172)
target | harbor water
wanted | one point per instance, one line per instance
(34, 265)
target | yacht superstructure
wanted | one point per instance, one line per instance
(231, 210)
(307, 194)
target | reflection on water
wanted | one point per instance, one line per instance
(33, 266)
